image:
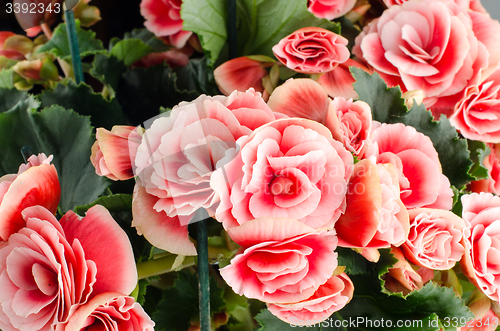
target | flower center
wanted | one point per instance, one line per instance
(282, 185)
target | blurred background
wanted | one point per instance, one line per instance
(493, 7)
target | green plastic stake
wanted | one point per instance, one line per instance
(201, 217)
(26, 152)
(73, 45)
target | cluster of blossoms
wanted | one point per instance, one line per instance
(53, 273)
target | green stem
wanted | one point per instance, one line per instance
(231, 29)
(203, 275)
(73, 45)
(162, 265)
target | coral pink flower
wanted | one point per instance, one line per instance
(477, 115)
(482, 238)
(435, 240)
(178, 154)
(280, 260)
(36, 183)
(305, 98)
(374, 209)
(488, 322)
(339, 82)
(328, 298)
(240, 74)
(492, 163)
(48, 267)
(355, 123)
(434, 46)
(330, 9)
(401, 276)
(163, 18)
(412, 153)
(286, 168)
(115, 150)
(312, 50)
(109, 311)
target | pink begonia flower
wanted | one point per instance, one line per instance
(339, 82)
(481, 213)
(421, 180)
(312, 50)
(435, 240)
(163, 18)
(13, 54)
(177, 156)
(492, 163)
(328, 298)
(280, 260)
(465, 4)
(109, 311)
(36, 183)
(477, 115)
(115, 150)
(305, 98)
(240, 74)
(330, 9)
(434, 46)
(374, 209)
(49, 267)
(355, 123)
(401, 277)
(287, 168)
(488, 322)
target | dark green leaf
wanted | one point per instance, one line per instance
(59, 44)
(130, 50)
(478, 152)
(84, 101)
(108, 69)
(116, 202)
(53, 131)
(147, 38)
(207, 18)
(269, 322)
(10, 97)
(354, 262)
(197, 76)
(142, 92)
(180, 303)
(388, 106)
(265, 23)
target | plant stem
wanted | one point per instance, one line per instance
(231, 29)
(203, 275)
(161, 266)
(73, 45)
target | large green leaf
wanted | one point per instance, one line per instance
(116, 202)
(108, 69)
(197, 76)
(207, 18)
(388, 106)
(265, 23)
(146, 37)
(269, 322)
(10, 97)
(180, 303)
(53, 131)
(59, 44)
(130, 50)
(354, 262)
(84, 101)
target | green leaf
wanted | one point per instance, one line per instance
(147, 38)
(265, 23)
(478, 152)
(179, 303)
(108, 69)
(269, 322)
(385, 262)
(206, 18)
(10, 97)
(388, 106)
(7, 78)
(130, 50)
(59, 44)
(116, 202)
(354, 262)
(53, 131)
(197, 76)
(142, 92)
(84, 101)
